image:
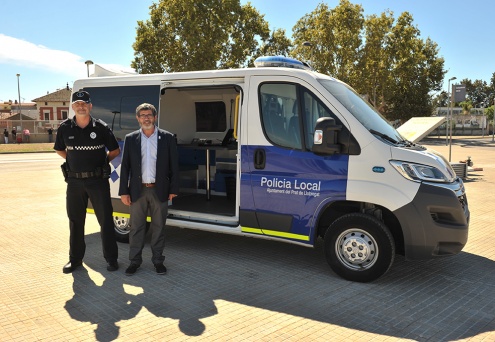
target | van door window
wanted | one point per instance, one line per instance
(282, 106)
(280, 114)
(313, 110)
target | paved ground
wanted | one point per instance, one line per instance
(229, 288)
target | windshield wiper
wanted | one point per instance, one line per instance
(384, 136)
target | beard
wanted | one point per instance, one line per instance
(147, 125)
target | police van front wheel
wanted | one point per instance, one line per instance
(359, 247)
(122, 226)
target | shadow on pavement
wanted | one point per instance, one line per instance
(443, 299)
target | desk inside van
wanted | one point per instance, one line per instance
(198, 160)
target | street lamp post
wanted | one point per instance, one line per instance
(309, 45)
(449, 116)
(88, 63)
(19, 95)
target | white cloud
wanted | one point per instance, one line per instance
(30, 55)
(37, 56)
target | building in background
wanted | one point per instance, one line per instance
(54, 107)
(44, 113)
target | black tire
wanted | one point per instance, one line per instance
(359, 247)
(122, 226)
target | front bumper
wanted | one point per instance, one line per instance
(436, 222)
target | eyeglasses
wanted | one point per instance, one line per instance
(146, 116)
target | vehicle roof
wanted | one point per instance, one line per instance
(208, 74)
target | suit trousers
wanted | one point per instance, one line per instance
(139, 211)
(98, 191)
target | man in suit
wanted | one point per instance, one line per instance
(149, 176)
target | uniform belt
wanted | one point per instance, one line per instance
(149, 185)
(82, 175)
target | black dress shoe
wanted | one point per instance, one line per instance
(112, 266)
(160, 269)
(131, 269)
(71, 266)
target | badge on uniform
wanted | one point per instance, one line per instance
(92, 135)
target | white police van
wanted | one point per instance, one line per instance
(282, 152)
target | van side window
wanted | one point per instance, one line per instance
(284, 107)
(279, 114)
(116, 106)
(313, 110)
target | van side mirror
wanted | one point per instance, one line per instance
(326, 137)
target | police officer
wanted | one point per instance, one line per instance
(83, 141)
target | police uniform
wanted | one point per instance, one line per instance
(86, 178)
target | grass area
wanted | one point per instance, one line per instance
(24, 147)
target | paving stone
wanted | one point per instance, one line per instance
(229, 288)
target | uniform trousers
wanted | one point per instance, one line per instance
(158, 212)
(98, 191)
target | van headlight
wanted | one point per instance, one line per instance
(419, 172)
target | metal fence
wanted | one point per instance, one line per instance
(38, 130)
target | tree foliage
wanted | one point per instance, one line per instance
(276, 45)
(489, 113)
(415, 71)
(374, 63)
(195, 35)
(382, 58)
(478, 92)
(335, 37)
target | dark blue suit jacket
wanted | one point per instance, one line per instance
(167, 166)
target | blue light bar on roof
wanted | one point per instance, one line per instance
(280, 61)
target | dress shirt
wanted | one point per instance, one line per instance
(148, 156)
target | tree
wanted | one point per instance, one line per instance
(476, 92)
(416, 71)
(276, 45)
(489, 113)
(490, 92)
(196, 35)
(373, 66)
(382, 58)
(466, 106)
(441, 100)
(335, 37)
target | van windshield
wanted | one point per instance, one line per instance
(362, 110)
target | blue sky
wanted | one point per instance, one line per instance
(47, 42)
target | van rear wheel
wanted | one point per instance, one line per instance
(359, 247)
(122, 226)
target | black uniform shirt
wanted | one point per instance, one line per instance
(85, 146)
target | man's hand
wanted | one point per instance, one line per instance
(170, 196)
(112, 154)
(126, 199)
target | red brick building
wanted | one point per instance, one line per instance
(54, 106)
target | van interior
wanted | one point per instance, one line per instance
(202, 119)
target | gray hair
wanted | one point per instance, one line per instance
(146, 106)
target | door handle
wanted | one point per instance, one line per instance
(259, 158)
